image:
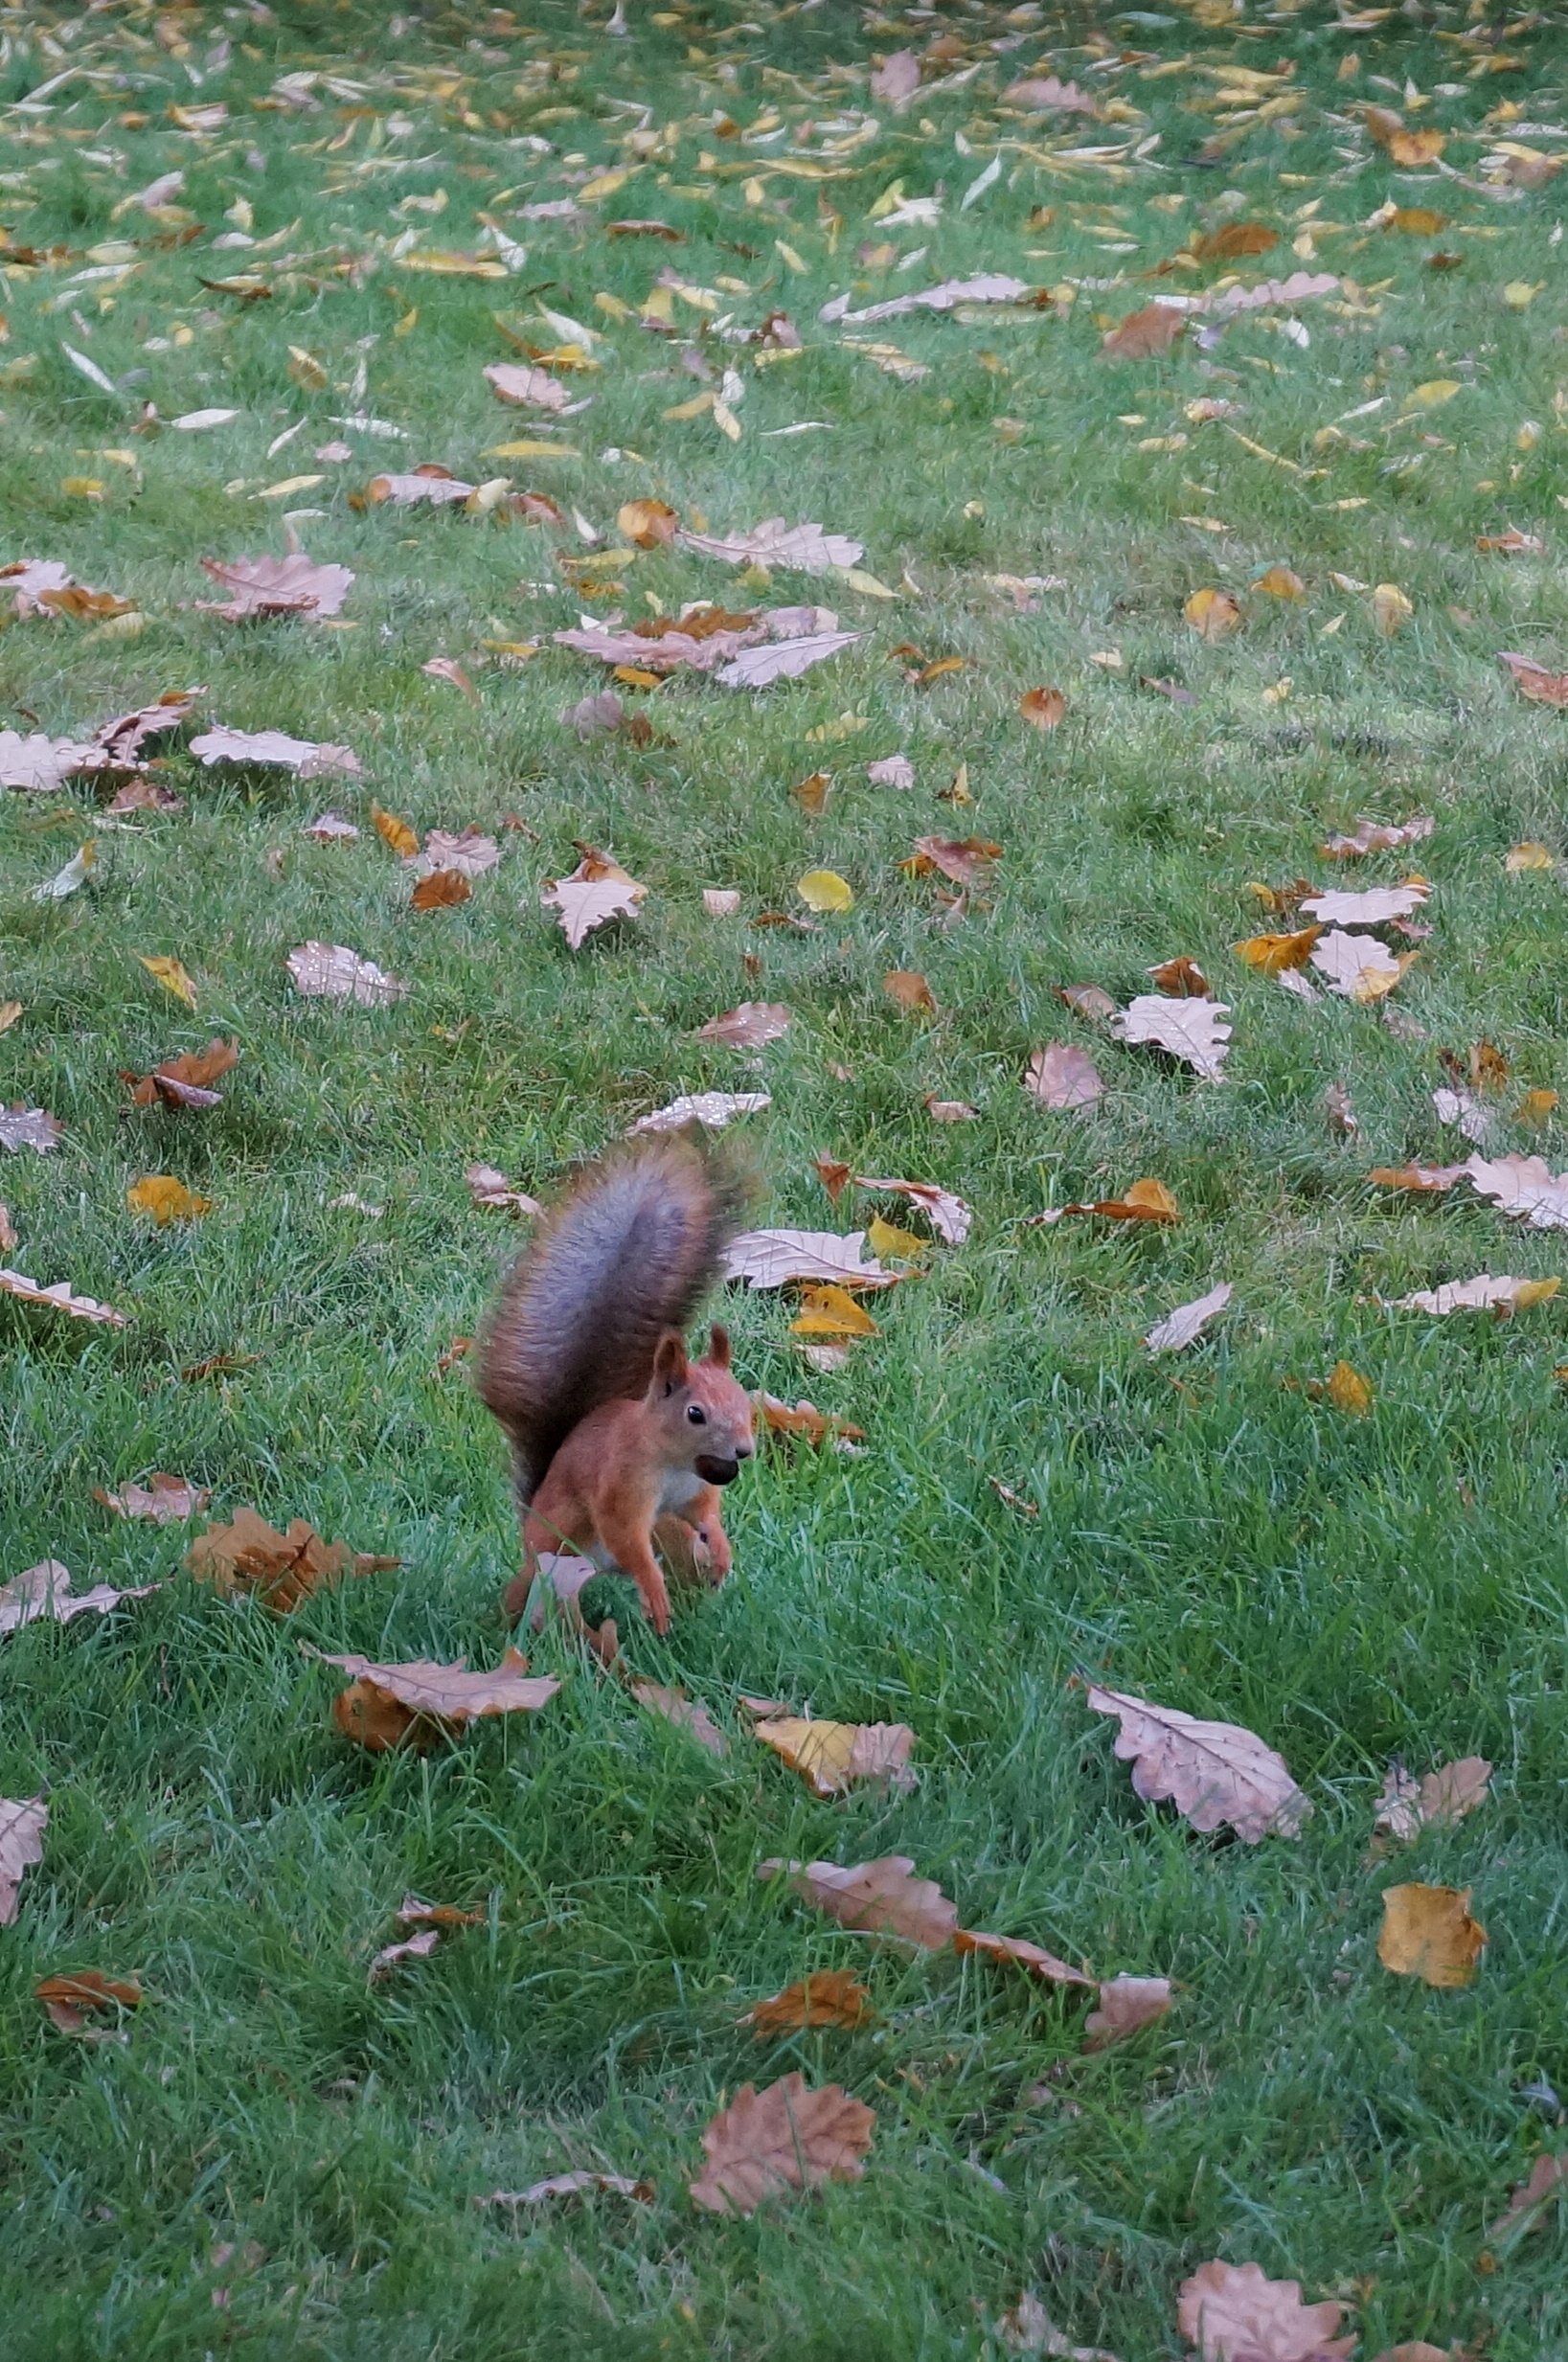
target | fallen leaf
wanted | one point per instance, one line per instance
(1191, 1029)
(45, 1591)
(1180, 1327)
(1377, 836)
(1372, 909)
(1346, 1389)
(1126, 2004)
(70, 2001)
(22, 1825)
(1520, 859)
(421, 1702)
(1045, 707)
(29, 1127)
(10, 1012)
(1181, 979)
(1390, 609)
(833, 1757)
(447, 669)
(1027, 2329)
(1548, 2178)
(572, 2186)
(803, 1419)
(412, 1948)
(1060, 1075)
(1481, 1294)
(831, 1997)
(330, 971)
(689, 1714)
(1406, 1807)
(749, 1027)
(1280, 582)
(471, 853)
(987, 287)
(756, 668)
(434, 485)
(896, 79)
(1428, 1179)
(1018, 1953)
(1524, 1187)
(171, 974)
(1359, 967)
(1233, 2312)
(282, 1569)
(332, 828)
(1427, 1932)
(166, 1501)
(441, 890)
(1277, 955)
(274, 748)
(966, 860)
(875, 1898)
(1143, 335)
(1147, 1201)
(780, 2139)
(1213, 614)
(830, 1312)
(166, 1199)
(186, 1080)
(1213, 1772)
(598, 891)
(1233, 240)
(1531, 679)
(61, 1297)
(711, 1110)
(67, 881)
(893, 771)
(907, 988)
(1533, 1108)
(40, 763)
(1089, 1002)
(795, 549)
(823, 890)
(292, 585)
(533, 388)
(950, 1110)
(1511, 544)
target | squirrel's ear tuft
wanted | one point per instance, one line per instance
(671, 1367)
(718, 1347)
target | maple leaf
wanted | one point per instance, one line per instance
(1144, 333)
(1018, 1953)
(775, 1258)
(877, 1897)
(831, 1997)
(421, 1701)
(1191, 1029)
(783, 2138)
(1215, 1773)
(1060, 1075)
(1358, 967)
(45, 1591)
(1483, 1293)
(22, 1825)
(1180, 1327)
(1406, 1807)
(332, 971)
(686, 1713)
(1233, 2312)
(1427, 1932)
(186, 1080)
(282, 1570)
(40, 763)
(275, 748)
(1523, 1187)
(832, 1757)
(70, 2001)
(29, 1127)
(292, 585)
(796, 549)
(1377, 836)
(1126, 2004)
(598, 891)
(166, 1500)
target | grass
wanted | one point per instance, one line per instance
(1355, 1590)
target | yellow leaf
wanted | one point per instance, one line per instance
(1390, 608)
(1518, 295)
(82, 487)
(289, 484)
(1213, 614)
(170, 975)
(829, 1311)
(395, 832)
(696, 407)
(1416, 148)
(1533, 1108)
(825, 890)
(306, 369)
(1435, 392)
(1534, 1291)
(1280, 582)
(529, 448)
(1520, 858)
(10, 1010)
(1272, 955)
(888, 202)
(409, 322)
(846, 726)
(607, 184)
(789, 255)
(866, 583)
(166, 1199)
(1427, 1932)
(895, 1245)
(1347, 1391)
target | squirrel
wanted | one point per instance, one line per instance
(619, 1439)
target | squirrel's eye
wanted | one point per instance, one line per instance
(698, 1415)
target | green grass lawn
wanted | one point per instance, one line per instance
(1210, 1534)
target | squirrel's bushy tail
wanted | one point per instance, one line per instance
(629, 1253)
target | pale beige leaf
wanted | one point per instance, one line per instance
(572, 2186)
(782, 2138)
(686, 1713)
(1357, 966)
(1028, 2330)
(749, 1027)
(834, 1756)
(1372, 909)
(1459, 1107)
(878, 1898)
(711, 1110)
(408, 491)
(797, 549)
(1548, 2179)
(896, 79)
(167, 1501)
(1524, 1187)
(412, 1948)
(598, 891)
(492, 1192)
(470, 852)
(21, 1845)
(1019, 1953)
(1125, 2004)
(1179, 1327)
(1191, 1029)
(1233, 2312)
(893, 771)
(292, 585)
(29, 1127)
(451, 1692)
(533, 388)
(949, 1215)
(45, 1591)
(987, 287)
(1408, 1805)
(1215, 1773)
(301, 756)
(40, 763)
(61, 1297)
(332, 971)
(774, 1258)
(784, 660)
(1485, 1293)
(1060, 1075)
(1378, 836)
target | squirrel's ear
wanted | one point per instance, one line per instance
(718, 1347)
(671, 1367)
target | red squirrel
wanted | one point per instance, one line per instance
(617, 1438)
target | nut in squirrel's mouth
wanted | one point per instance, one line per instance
(715, 1472)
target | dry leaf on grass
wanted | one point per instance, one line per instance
(774, 1258)
(332, 828)
(1213, 614)
(166, 1501)
(795, 549)
(1044, 708)
(803, 1419)
(572, 2186)
(258, 586)
(44, 1591)
(1523, 1187)
(878, 1899)
(1233, 2312)
(412, 1948)
(1485, 1293)
(421, 1702)
(1377, 836)
(896, 79)
(1215, 1773)
(1147, 1201)
(1548, 2179)
(597, 890)
(534, 389)
(29, 1127)
(1028, 2330)
(171, 974)
(186, 1080)
(1181, 979)
(71, 2001)
(274, 748)
(40, 763)
(1016, 1951)
(1278, 955)
(908, 989)
(1521, 860)
(1126, 2004)
(749, 1027)
(1427, 1932)
(782, 2138)
(332, 971)
(492, 1193)
(282, 1569)
(22, 1824)
(122, 738)
(1060, 1075)
(441, 890)
(470, 852)
(1372, 909)
(1191, 1029)
(965, 859)
(9, 1236)
(166, 1199)
(686, 1713)
(949, 1215)
(1188, 1321)
(428, 483)
(1143, 335)
(711, 1110)
(447, 669)
(831, 1997)
(1358, 967)
(784, 660)
(893, 771)
(834, 1756)
(829, 1311)
(1407, 1806)
(1428, 1180)
(1390, 609)
(1534, 681)
(61, 1297)
(1346, 1389)
(987, 287)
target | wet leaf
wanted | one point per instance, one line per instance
(711, 1110)
(1427, 1932)
(1215, 1773)
(783, 2138)
(749, 1027)
(332, 971)
(29, 1127)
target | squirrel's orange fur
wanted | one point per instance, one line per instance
(617, 1436)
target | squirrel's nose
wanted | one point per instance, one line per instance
(745, 1447)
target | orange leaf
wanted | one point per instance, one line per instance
(831, 1997)
(395, 832)
(442, 890)
(1045, 707)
